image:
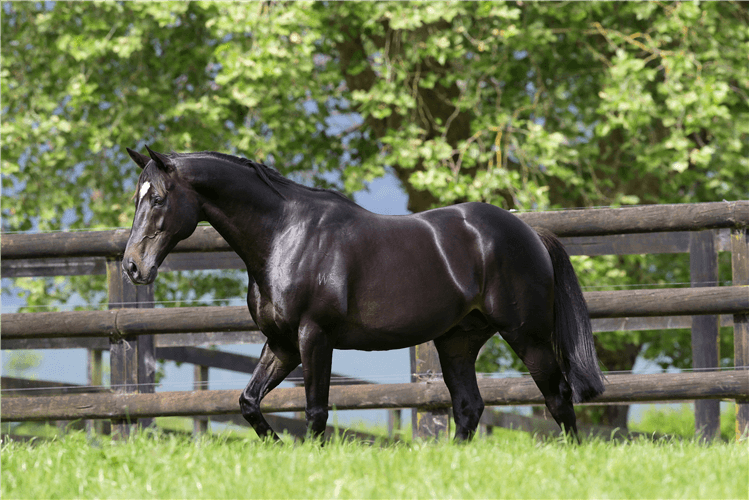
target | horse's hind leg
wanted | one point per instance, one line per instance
(274, 365)
(458, 351)
(317, 358)
(542, 364)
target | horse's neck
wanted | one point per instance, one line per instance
(244, 211)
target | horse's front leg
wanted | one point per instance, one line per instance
(274, 365)
(317, 357)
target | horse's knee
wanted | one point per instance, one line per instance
(249, 407)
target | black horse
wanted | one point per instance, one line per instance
(326, 274)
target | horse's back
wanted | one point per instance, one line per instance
(411, 278)
(516, 270)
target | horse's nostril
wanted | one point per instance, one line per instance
(132, 269)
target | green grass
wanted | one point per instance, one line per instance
(680, 422)
(504, 465)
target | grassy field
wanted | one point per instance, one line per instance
(504, 465)
(679, 421)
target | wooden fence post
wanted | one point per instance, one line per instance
(425, 367)
(95, 379)
(123, 352)
(703, 268)
(132, 359)
(200, 383)
(144, 297)
(394, 423)
(740, 271)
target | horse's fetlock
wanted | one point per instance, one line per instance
(316, 415)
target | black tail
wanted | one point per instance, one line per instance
(573, 335)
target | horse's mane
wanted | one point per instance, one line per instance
(268, 174)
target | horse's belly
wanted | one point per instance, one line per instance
(396, 327)
(363, 340)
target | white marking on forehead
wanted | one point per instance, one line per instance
(144, 189)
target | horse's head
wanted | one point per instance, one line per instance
(167, 210)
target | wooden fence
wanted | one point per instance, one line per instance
(136, 334)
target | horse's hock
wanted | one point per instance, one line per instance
(134, 335)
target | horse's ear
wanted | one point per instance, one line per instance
(139, 159)
(162, 161)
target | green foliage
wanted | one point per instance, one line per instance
(509, 465)
(680, 422)
(19, 363)
(526, 105)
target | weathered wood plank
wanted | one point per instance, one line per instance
(645, 219)
(650, 323)
(170, 340)
(123, 350)
(496, 392)
(740, 273)
(200, 383)
(234, 362)
(98, 244)
(94, 379)
(14, 387)
(91, 266)
(703, 272)
(610, 304)
(256, 337)
(210, 338)
(425, 367)
(667, 302)
(586, 222)
(69, 266)
(126, 322)
(627, 244)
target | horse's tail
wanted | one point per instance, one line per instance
(573, 334)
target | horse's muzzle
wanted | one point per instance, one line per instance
(136, 275)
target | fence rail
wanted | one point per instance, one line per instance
(425, 395)
(124, 322)
(586, 222)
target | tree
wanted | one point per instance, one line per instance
(524, 105)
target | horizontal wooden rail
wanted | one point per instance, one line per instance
(240, 363)
(614, 244)
(173, 340)
(432, 395)
(586, 222)
(644, 219)
(121, 322)
(13, 386)
(668, 302)
(97, 244)
(256, 337)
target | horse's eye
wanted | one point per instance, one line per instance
(158, 200)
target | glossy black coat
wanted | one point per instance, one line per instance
(326, 274)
